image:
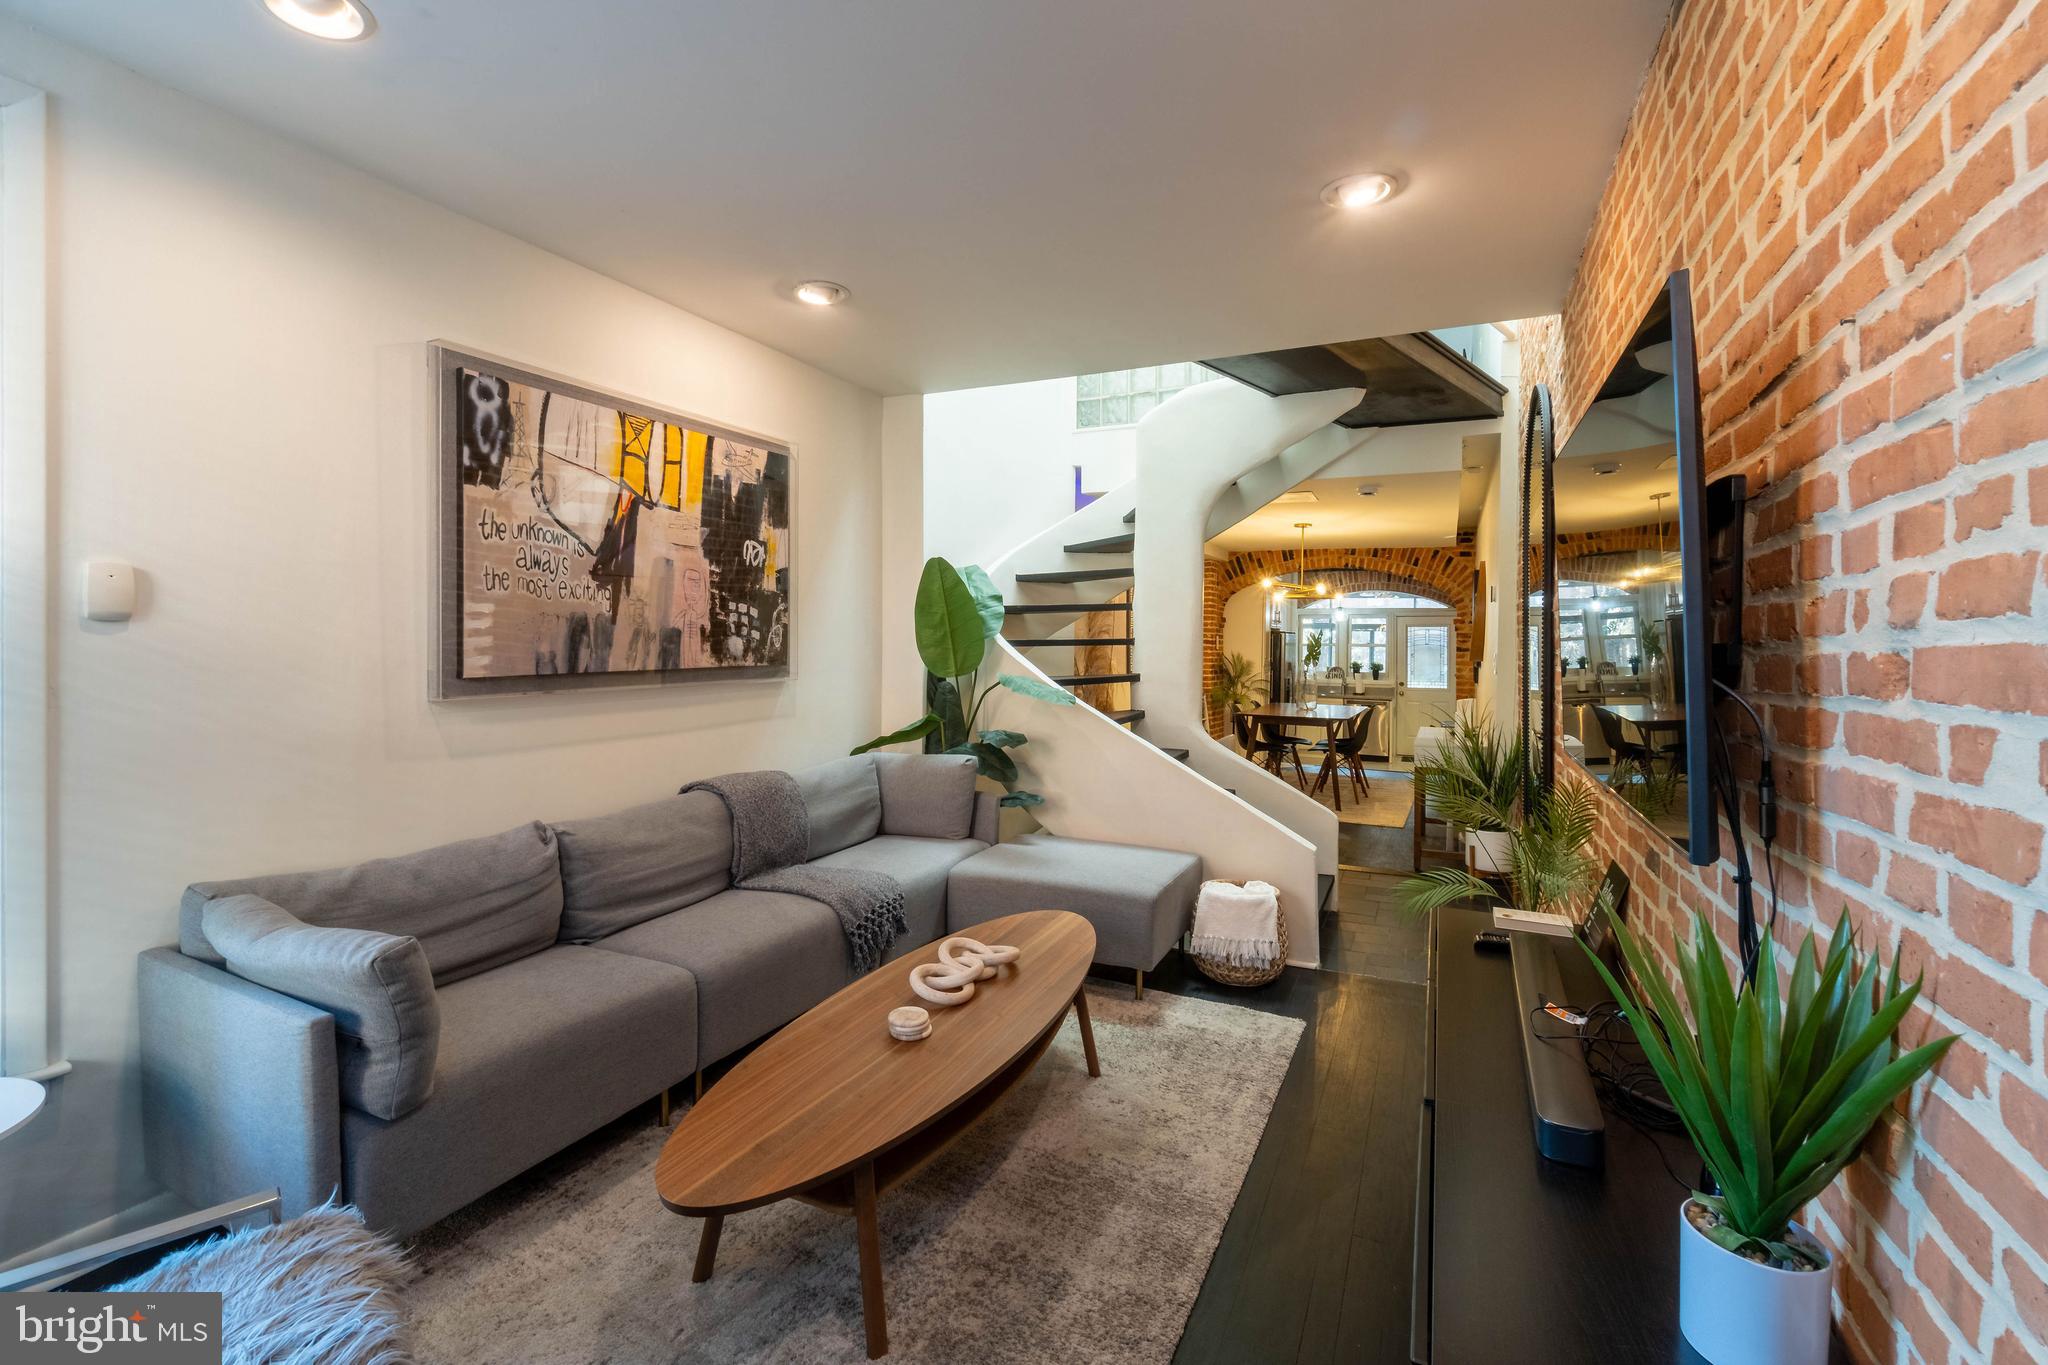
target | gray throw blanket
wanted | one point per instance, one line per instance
(771, 845)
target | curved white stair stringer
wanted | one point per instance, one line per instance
(1218, 761)
(1102, 782)
(1189, 461)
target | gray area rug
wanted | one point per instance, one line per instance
(1074, 1223)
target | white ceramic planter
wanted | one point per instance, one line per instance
(1486, 850)
(1737, 1312)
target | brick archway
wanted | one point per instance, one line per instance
(1443, 573)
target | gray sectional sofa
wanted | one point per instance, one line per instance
(413, 1031)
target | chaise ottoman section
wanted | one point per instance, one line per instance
(1139, 899)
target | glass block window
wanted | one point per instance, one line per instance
(1121, 397)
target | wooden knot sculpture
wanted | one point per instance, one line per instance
(962, 962)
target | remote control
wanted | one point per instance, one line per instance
(1489, 941)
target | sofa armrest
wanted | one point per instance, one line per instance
(987, 824)
(239, 1089)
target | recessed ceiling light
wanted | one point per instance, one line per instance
(1359, 191)
(1368, 490)
(340, 21)
(820, 293)
(1603, 470)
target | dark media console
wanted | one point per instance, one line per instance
(1518, 1257)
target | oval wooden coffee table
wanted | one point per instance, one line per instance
(834, 1111)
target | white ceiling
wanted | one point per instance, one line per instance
(1628, 497)
(1012, 191)
(1408, 509)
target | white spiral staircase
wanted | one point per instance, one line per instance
(1149, 773)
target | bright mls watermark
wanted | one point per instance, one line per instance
(164, 1329)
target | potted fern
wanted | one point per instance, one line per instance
(1476, 779)
(1777, 1096)
(1547, 866)
(1239, 685)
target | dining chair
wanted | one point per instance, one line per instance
(1285, 747)
(1259, 743)
(1350, 751)
(1619, 745)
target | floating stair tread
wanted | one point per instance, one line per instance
(1074, 575)
(1178, 755)
(1091, 679)
(1131, 517)
(1108, 545)
(1125, 717)
(1061, 608)
(1077, 641)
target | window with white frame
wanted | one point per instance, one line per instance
(1368, 647)
(1121, 397)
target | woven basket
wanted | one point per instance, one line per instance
(1229, 974)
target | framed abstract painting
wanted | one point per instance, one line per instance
(588, 540)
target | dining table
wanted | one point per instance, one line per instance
(1329, 717)
(1653, 719)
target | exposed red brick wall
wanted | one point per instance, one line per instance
(1213, 598)
(1860, 188)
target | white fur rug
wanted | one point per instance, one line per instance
(1073, 1224)
(319, 1289)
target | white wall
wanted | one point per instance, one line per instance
(999, 466)
(241, 410)
(1499, 529)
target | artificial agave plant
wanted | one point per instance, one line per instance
(958, 612)
(1776, 1095)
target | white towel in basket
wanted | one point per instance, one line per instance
(1236, 924)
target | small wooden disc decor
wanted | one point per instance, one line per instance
(1230, 974)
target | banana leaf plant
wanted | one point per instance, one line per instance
(958, 611)
(1777, 1095)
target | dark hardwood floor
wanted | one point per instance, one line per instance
(1314, 1261)
(1367, 933)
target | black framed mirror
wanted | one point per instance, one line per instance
(1538, 632)
(1646, 603)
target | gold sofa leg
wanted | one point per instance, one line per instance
(700, 1083)
(662, 1121)
(1141, 985)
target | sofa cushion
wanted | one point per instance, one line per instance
(842, 802)
(928, 796)
(472, 905)
(1140, 900)
(387, 1023)
(760, 958)
(920, 867)
(534, 1055)
(620, 869)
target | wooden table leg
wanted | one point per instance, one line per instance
(1087, 1030)
(869, 1234)
(707, 1248)
(1326, 774)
